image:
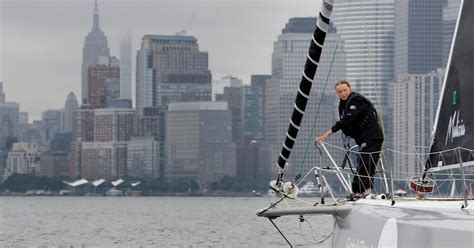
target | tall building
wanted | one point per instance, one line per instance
(227, 81)
(95, 45)
(143, 155)
(21, 158)
(198, 147)
(174, 69)
(288, 58)
(416, 98)
(145, 92)
(2, 94)
(99, 147)
(104, 82)
(418, 36)
(9, 119)
(126, 66)
(69, 107)
(450, 16)
(367, 29)
(254, 107)
(53, 123)
(234, 97)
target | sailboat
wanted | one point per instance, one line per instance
(427, 220)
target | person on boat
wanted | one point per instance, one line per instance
(358, 120)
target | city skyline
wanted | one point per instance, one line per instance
(46, 38)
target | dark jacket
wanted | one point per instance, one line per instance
(358, 119)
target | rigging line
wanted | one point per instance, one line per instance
(280, 232)
(322, 93)
(311, 228)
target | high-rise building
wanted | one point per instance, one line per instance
(2, 94)
(227, 81)
(174, 69)
(418, 36)
(95, 45)
(416, 98)
(288, 58)
(21, 158)
(53, 123)
(234, 97)
(198, 147)
(126, 66)
(143, 157)
(145, 91)
(450, 16)
(253, 108)
(104, 82)
(367, 30)
(9, 119)
(69, 107)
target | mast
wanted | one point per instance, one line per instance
(304, 89)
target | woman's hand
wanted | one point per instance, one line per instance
(323, 137)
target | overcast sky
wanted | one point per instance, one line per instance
(42, 40)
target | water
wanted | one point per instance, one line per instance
(149, 222)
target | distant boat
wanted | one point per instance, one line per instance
(113, 192)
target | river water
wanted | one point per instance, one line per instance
(150, 222)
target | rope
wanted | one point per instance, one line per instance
(311, 228)
(280, 232)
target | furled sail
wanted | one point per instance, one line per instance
(304, 89)
(454, 123)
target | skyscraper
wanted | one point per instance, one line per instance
(418, 36)
(416, 98)
(126, 66)
(2, 94)
(288, 58)
(95, 45)
(198, 146)
(174, 68)
(69, 107)
(367, 29)
(104, 82)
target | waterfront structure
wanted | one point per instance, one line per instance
(288, 58)
(226, 81)
(69, 107)
(198, 147)
(171, 69)
(415, 98)
(104, 82)
(126, 67)
(95, 45)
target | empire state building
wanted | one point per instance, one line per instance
(95, 46)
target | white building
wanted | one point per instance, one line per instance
(415, 98)
(21, 158)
